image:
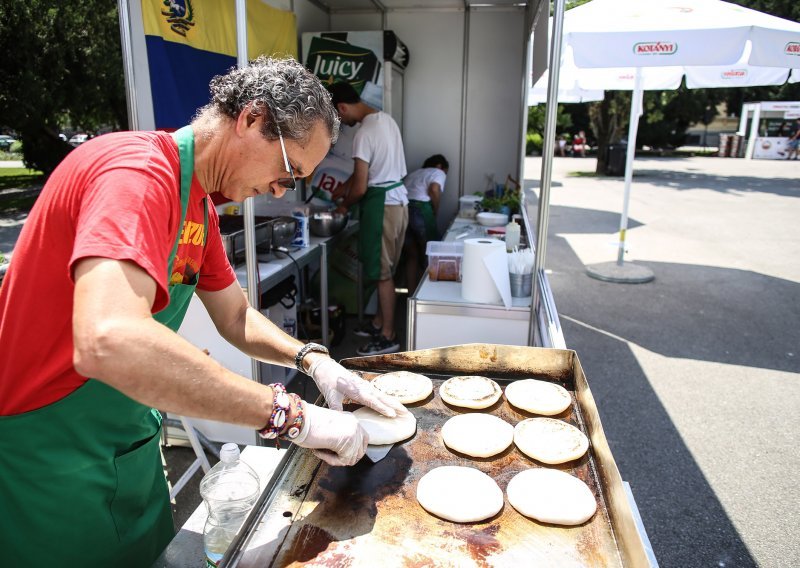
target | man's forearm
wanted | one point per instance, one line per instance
(155, 366)
(434, 194)
(353, 196)
(259, 338)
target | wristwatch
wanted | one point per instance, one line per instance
(305, 350)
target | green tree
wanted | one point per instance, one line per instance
(536, 118)
(668, 115)
(62, 63)
(608, 120)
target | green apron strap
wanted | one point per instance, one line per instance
(185, 139)
(370, 230)
(180, 295)
(426, 209)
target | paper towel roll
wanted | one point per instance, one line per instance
(478, 283)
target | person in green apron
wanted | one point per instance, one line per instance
(376, 186)
(119, 240)
(425, 187)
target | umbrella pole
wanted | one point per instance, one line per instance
(620, 272)
(633, 131)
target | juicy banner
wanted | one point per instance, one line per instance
(334, 61)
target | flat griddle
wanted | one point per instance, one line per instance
(368, 515)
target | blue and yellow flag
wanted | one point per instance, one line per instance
(191, 41)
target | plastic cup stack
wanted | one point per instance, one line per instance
(520, 261)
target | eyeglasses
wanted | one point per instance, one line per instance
(288, 183)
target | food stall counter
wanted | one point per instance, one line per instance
(438, 315)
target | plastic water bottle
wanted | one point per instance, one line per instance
(512, 236)
(229, 490)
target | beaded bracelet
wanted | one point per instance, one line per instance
(297, 424)
(281, 404)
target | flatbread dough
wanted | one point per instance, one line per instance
(385, 430)
(405, 386)
(470, 392)
(459, 494)
(549, 440)
(539, 397)
(477, 435)
(551, 496)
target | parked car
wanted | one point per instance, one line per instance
(6, 141)
(78, 139)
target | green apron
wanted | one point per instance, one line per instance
(87, 488)
(426, 209)
(370, 230)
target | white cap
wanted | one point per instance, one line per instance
(229, 453)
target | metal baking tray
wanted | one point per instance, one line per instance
(367, 515)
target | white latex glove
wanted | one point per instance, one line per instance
(335, 383)
(335, 437)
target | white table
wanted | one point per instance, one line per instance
(438, 316)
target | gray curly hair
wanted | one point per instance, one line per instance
(293, 98)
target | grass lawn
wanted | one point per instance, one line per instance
(19, 188)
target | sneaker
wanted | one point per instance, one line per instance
(366, 329)
(378, 346)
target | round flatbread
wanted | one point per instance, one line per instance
(385, 430)
(477, 435)
(539, 397)
(470, 392)
(459, 494)
(549, 440)
(551, 496)
(405, 386)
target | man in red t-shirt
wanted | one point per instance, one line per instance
(119, 239)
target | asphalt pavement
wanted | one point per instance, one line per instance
(697, 373)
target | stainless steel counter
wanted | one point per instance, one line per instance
(276, 266)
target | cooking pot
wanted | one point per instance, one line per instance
(327, 223)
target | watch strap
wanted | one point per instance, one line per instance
(305, 350)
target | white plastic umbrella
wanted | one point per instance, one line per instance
(657, 33)
(569, 90)
(740, 74)
(576, 80)
(573, 94)
(661, 39)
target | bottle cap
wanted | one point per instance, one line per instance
(229, 453)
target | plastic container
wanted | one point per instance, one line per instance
(444, 260)
(229, 490)
(468, 206)
(512, 236)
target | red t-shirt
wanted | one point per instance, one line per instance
(116, 196)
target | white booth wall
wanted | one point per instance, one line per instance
(310, 18)
(434, 86)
